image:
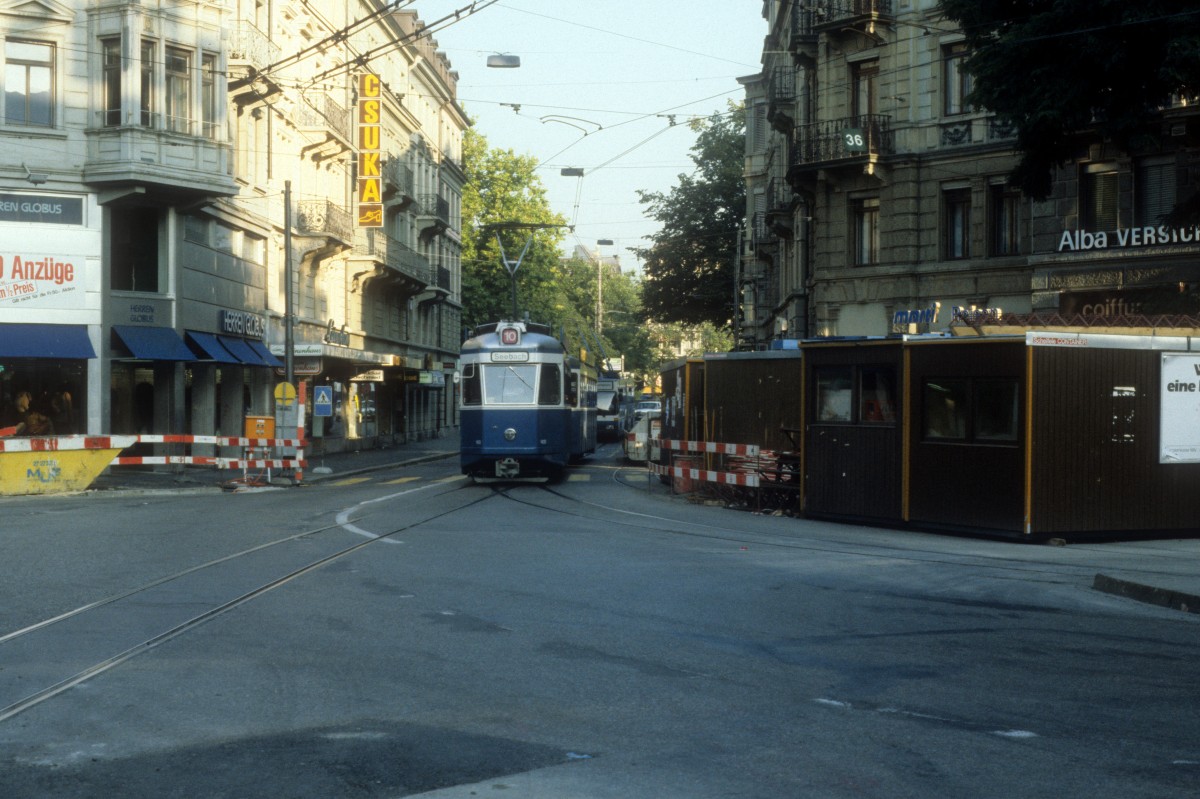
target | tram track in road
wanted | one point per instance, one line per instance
(999, 565)
(62, 632)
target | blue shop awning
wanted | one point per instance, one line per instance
(212, 350)
(45, 341)
(241, 350)
(153, 343)
(264, 353)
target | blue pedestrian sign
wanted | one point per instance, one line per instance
(322, 400)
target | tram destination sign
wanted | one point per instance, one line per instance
(510, 357)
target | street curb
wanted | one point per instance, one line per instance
(1176, 600)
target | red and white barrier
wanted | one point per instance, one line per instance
(706, 475)
(677, 445)
(56, 443)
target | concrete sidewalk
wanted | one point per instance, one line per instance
(1164, 572)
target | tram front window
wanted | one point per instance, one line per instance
(510, 385)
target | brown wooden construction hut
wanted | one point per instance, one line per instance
(1034, 435)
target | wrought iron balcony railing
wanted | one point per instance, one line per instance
(323, 218)
(852, 139)
(396, 256)
(398, 174)
(322, 111)
(847, 13)
(249, 44)
(436, 206)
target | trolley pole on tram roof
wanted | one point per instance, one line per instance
(512, 266)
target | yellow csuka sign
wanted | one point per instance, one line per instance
(370, 175)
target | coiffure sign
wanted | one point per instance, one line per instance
(1127, 238)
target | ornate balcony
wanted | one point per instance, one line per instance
(323, 219)
(840, 142)
(853, 15)
(433, 215)
(781, 98)
(387, 258)
(250, 52)
(398, 182)
(804, 33)
(780, 202)
(322, 114)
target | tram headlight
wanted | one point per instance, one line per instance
(510, 434)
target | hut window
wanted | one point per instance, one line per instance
(971, 410)
(856, 395)
(945, 409)
(877, 396)
(834, 394)
(996, 410)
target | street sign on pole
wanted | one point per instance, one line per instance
(322, 400)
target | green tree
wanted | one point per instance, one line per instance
(1056, 69)
(624, 332)
(688, 269)
(502, 193)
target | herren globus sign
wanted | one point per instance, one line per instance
(370, 176)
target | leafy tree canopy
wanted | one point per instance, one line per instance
(502, 193)
(1056, 68)
(624, 331)
(688, 270)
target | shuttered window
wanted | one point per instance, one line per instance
(1155, 191)
(1098, 198)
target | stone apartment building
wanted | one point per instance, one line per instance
(169, 164)
(878, 200)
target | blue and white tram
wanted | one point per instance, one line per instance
(527, 408)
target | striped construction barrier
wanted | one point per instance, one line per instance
(747, 480)
(54, 464)
(677, 445)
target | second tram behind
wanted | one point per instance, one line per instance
(527, 407)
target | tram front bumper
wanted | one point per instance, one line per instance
(508, 468)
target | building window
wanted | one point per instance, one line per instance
(133, 252)
(1098, 197)
(147, 103)
(866, 231)
(178, 106)
(1004, 220)
(957, 215)
(112, 81)
(957, 81)
(208, 96)
(1155, 197)
(28, 83)
(865, 79)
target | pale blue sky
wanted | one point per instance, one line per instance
(596, 83)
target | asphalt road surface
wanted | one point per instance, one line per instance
(409, 633)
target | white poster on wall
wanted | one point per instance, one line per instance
(1179, 437)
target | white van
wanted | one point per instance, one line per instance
(647, 424)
